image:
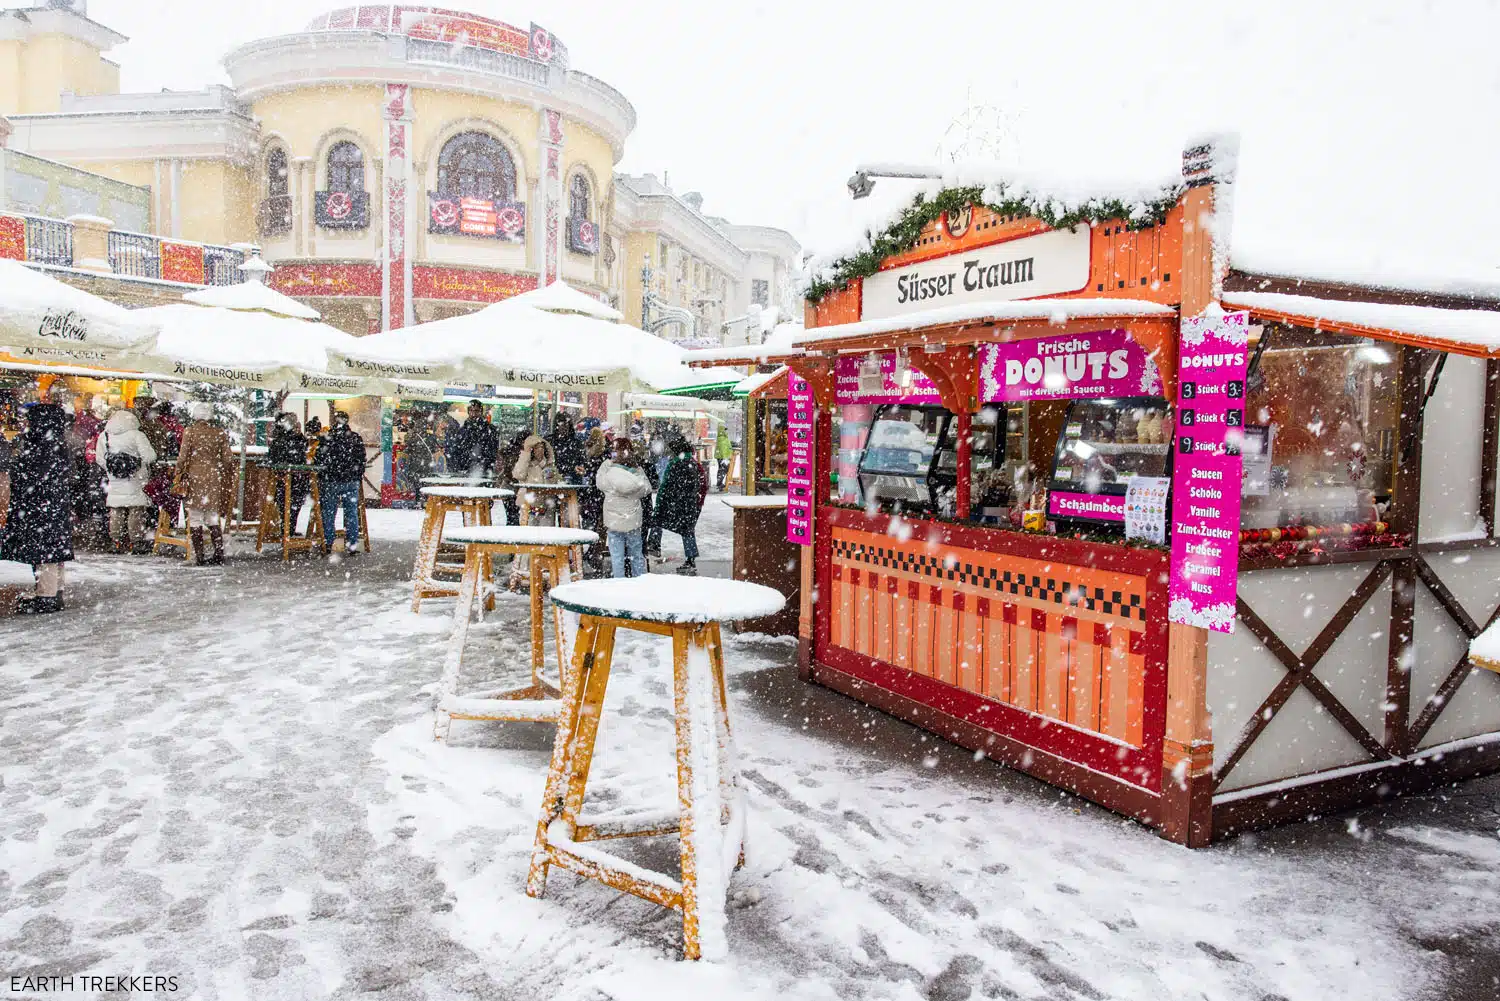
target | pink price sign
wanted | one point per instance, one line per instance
(800, 410)
(1100, 364)
(871, 379)
(1206, 477)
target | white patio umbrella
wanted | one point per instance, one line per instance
(43, 317)
(252, 296)
(560, 297)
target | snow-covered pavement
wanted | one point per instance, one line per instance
(227, 775)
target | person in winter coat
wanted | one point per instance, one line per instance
(126, 455)
(88, 502)
(39, 520)
(590, 498)
(723, 452)
(623, 484)
(418, 455)
(288, 447)
(572, 462)
(646, 455)
(167, 418)
(680, 500)
(476, 447)
(537, 462)
(203, 461)
(166, 445)
(505, 472)
(343, 460)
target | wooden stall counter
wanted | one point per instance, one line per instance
(762, 555)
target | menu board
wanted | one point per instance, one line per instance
(872, 378)
(1201, 590)
(1146, 508)
(1099, 364)
(800, 409)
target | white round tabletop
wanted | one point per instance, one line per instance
(551, 486)
(521, 535)
(669, 598)
(458, 481)
(468, 493)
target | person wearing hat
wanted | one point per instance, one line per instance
(343, 460)
(38, 524)
(202, 461)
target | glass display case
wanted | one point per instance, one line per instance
(910, 460)
(1103, 445)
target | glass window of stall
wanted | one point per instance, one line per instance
(909, 461)
(1322, 413)
(1102, 446)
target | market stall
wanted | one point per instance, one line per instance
(1104, 487)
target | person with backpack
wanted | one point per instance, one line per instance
(679, 501)
(126, 455)
(623, 483)
(203, 461)
(343, 460)
(39, 520)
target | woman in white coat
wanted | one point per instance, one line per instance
(623, 483)
(126, 455)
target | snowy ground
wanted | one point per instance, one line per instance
(228, 776)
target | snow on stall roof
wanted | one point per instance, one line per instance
(750, 384)
(1477, 327)
(560, 297)
(1486, 646)
(253, 296)
(779, 342)
(669, 598)
(758, 501)
(1057, 311)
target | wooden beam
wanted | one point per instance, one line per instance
(1490, 448)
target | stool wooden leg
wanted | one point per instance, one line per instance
(562, 752)
(489, 562)
(701, 832)
(364, 524)
(592, 710)
(731, 791)
(453, 661)
(538, 650)
(575, 554)
(288, 530)
(427, 550)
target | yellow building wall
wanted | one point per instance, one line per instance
(35, 72)
(636, 246)
(304, 119)
(139, 172)
(584, 147)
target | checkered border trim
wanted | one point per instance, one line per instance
(1046, 589)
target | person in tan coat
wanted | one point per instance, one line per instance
(202, 467)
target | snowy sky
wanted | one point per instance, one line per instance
(1369, 129)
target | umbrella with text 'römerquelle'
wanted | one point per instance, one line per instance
(48, 319)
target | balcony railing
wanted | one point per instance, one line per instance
(49, 241)
(221, 266)
(134, 254)
(273, 216)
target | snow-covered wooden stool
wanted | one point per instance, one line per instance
(548, 549)
(272, 518)
(710, 816)
(564, 496)
(165, 536)
(475, 504)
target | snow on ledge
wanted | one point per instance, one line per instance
(758, 501)
(1472, 327)
(1057, 311)
(1486, 646)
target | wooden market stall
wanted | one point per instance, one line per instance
(1190, 542)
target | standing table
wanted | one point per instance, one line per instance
(710, 816)
(548, 549)
(475, 504)
(566, 494)
(271, 515)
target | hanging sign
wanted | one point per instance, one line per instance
(800, 408)
(1207, 473)
(1045, 264)
(874, 378)
(1100, 364)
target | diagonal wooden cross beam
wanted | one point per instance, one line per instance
(1438, 700)
(1300, 672)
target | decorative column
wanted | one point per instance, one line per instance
(395, 274)
(1188, 749)
(91, 243)
(549, 201)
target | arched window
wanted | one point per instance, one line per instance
(277, 182)
(476, 165)
(346, 168)
(578, 197)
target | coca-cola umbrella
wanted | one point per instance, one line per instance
(42, 317)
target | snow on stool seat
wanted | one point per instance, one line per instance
(548, 549)
(476, 504)
(1484, 649)
(15, 574)
(710, 819)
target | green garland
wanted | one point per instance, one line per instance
(903, 234)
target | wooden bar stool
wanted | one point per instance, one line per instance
(475, 504)
(165, 536)
(710, 818)
(566, 495)
(548, 549)
(271, 517)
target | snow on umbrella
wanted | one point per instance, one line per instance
(560, 297)
(252, 296)
(255, 349)
(46, 318)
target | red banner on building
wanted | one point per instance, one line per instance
(182, 262)
(327, 279)
(467, 284)
(13, 237)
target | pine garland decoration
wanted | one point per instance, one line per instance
(903, 234)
